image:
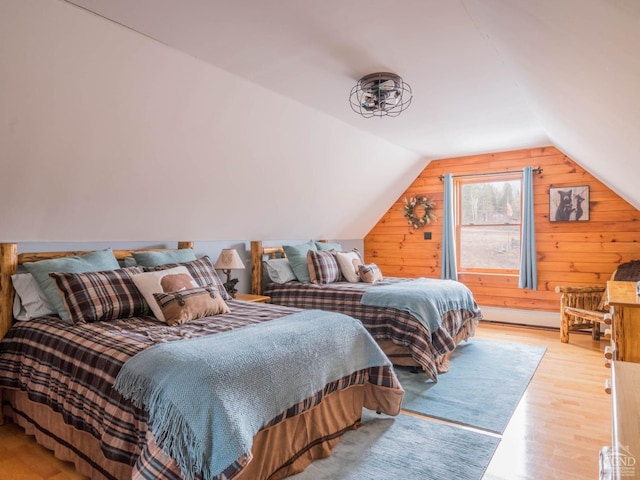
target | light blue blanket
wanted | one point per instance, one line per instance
(207, 397)
(427, 299)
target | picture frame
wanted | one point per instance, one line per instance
(569, 204)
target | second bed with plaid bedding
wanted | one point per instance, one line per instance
(400, 327)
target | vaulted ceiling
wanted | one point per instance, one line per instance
(229, 119)
(487, 75)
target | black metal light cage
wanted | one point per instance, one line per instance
(380, 94)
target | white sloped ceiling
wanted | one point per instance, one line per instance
(488, 75)
(109, 135)
(465, 99)
(578, 62)
(229, 119)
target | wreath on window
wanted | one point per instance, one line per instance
(419, 211)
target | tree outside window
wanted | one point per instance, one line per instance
(488, 223)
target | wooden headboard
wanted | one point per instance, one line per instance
(10, 260)
(258, 254)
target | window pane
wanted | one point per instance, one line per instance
(495, 247)
(491, 202)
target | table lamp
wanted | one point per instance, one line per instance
(227, 261)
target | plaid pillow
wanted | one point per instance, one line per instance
(99, 296)
(323, 266)
(201, 270)
(184, 305)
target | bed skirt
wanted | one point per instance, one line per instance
(403, 356)
(279, 451)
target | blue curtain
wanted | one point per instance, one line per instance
(528, 268)
(449, 269)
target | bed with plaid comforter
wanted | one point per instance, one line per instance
(400, 327)
(72, 369)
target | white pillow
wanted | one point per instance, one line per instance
(29, 301)
(348, 262)
(151, 282)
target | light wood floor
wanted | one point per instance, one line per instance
(564, 417)
(556, 432)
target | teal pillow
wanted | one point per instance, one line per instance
(279, 270)
(153, 259)
(297, 255)
(90, 262)
(328, 246)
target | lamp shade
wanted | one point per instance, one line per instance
(229, 260)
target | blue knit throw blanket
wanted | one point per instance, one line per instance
(427, 299)
(207, 397)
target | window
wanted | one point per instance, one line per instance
(488, 223)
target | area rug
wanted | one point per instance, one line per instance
(482, 389)
(407, 448)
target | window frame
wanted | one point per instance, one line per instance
(479, 179)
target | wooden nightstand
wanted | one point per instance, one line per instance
(247, 297)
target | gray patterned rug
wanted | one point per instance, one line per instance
(405, 448)
(482, 388)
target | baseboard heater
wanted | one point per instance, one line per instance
(533, 318)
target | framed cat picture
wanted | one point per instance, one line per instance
(569, 204)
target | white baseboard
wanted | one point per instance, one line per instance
(521, 317)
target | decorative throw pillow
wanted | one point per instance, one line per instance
(100, 296)
(153, 259)
(29, 301)
(185, 305)
(279, 270)
(349, 263)
(99, 261)
(297, 255)
(323, 267)
(370, 273)
(162, 281)
(129, 262)
(326, 246)
(202, 271)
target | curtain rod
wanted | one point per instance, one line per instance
(535, 170)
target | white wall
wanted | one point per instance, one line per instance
(107, 135)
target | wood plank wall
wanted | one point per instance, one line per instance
(568, 253)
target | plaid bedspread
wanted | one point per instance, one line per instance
(72, 369)
(400, 327)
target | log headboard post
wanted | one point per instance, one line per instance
(256, 267)
(8, 266)
(258, 252)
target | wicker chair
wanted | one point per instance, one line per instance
(583, 308)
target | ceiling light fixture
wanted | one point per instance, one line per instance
(380, 94)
